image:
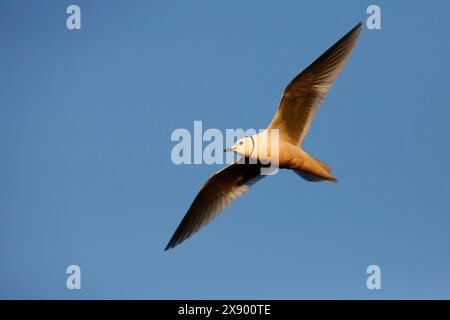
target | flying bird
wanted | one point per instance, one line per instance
(294, 115)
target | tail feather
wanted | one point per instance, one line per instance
(308, 176)
(323, 165)
(315, 175)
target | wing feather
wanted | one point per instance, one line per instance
(217, 193)
(306, 91)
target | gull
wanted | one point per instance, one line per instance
(291, 122)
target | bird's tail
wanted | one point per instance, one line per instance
(319, 171)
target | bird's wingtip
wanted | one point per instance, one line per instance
(357, 27)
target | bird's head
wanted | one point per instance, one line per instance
(243, 146)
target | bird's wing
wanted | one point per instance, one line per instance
(306, 91)
(222, 188)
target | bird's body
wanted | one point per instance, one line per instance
(279, 144)
(263, 148)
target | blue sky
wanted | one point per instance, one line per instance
(86, 176)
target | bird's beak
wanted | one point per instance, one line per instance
(227, 149)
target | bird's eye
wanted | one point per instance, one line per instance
(240, 143)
